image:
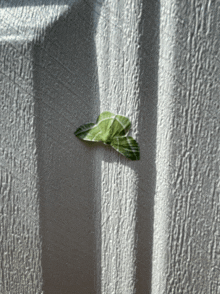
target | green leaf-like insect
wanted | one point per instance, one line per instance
(111, 129)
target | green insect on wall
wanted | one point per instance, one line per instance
(111, 129)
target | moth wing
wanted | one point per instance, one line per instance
(127, 146)
(105, 116)
(104, 121)
(120, 126)
(89, 132)
(113, 125)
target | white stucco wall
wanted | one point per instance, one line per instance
(186, 226)
(21, 270)
(47, 229)
(78, 217)
(128, 86)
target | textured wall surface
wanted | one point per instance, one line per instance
(20, 248)
(186, 227)
(79, 217)
(64, 82)
(47, 202)
(127, 85)
(21, 270)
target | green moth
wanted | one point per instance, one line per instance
(112, 130)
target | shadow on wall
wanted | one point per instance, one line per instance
(64, 79)
(149, 52)
(19, 3)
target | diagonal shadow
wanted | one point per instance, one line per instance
(64, 67)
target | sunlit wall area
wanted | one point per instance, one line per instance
(76, 216)
(186, 227)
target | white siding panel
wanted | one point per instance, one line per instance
(79, 217)
(186, 230)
